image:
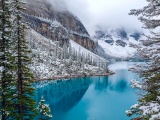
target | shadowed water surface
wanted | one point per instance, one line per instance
(91, 98)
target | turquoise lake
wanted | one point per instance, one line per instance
(91, 98)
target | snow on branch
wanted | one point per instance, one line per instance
(136, 84)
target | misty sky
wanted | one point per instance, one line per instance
(106, 13)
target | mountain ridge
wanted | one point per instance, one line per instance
(41, 14)
(115, 42)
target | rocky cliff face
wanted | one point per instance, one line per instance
(55, 24)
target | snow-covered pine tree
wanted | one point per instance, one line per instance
(73, 54)
(70, 54)
(65, 51)
(99, 63)
(44, 110)
(56, 49)
(85, 58)
(70, 49)
(106, 66)
(148, 106)
(7, 64)
(91, 59)
(79, 56)
(25, 105)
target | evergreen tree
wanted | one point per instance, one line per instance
(25, 105)
(44, 110)
(56, 50)
(70, 50)
(73, 54)
(148, 106)
(7, 64)
(65, 51)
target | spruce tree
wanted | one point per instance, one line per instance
(25, 105)
(44, 110)
(7, 64)
(148, 107)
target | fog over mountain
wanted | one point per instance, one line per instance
(58, 5)
(106, 13)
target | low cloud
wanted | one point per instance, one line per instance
(109, 13)
(58, 5)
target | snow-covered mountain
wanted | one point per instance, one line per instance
(61, 46)
(50, 61)
(58, 25)
(115, 42)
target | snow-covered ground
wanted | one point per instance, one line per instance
(47, 65)
(117, 50)
(116, 41)
(82, 50)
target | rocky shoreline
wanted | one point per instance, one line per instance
(73, 76)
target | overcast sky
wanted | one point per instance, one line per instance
(106, 13)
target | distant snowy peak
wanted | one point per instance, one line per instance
(116, 41)
(116, 33)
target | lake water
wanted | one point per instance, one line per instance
(91, 98)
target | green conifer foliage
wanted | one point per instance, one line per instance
(148, 107)
(25, 105)
(7, 64)
(44, 110)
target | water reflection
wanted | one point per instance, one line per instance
(101, 83)
(121, 80)
(121, 85)
(91, 98)
(62, 95)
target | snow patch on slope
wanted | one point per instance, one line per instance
(116, 50)
(46, 65)
(83, 50)
(116, 41)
